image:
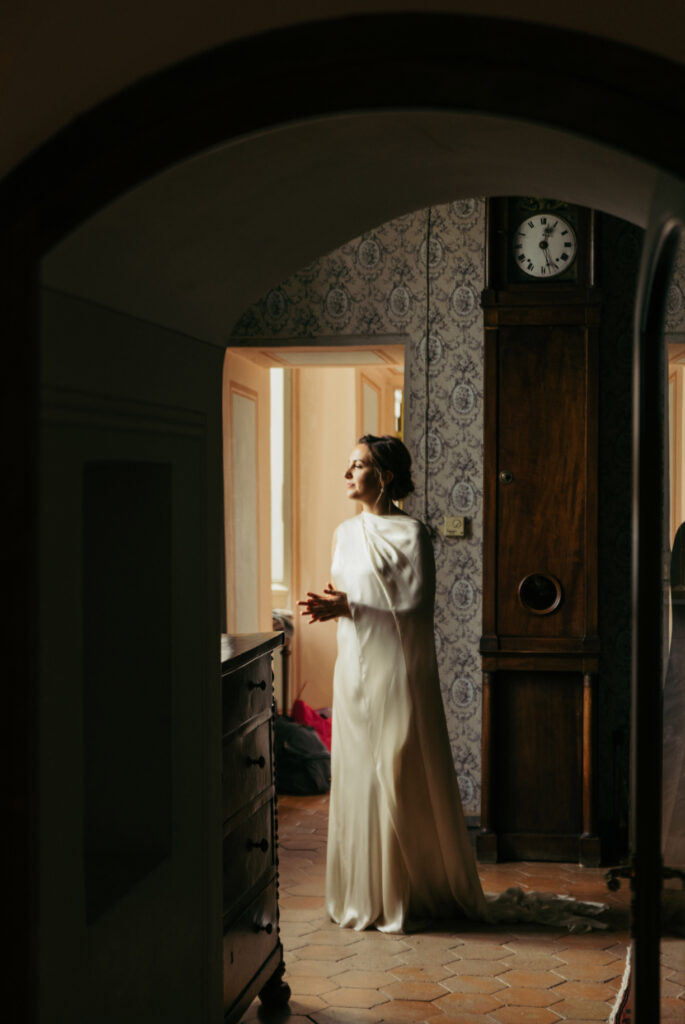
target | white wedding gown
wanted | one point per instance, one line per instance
(399, 855)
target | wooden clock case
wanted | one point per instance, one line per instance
(540, 643)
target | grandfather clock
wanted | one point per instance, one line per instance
(540, 644)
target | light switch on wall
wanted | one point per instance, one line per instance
(454, 526)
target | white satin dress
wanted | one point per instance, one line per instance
(398, 849)
(399, 855)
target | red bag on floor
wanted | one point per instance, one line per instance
(305, 715)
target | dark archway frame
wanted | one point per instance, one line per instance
(601, 90)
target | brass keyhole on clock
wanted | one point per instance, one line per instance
(506, 477)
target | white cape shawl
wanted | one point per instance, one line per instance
(398, 849)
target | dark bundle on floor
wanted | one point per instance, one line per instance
(303, 762)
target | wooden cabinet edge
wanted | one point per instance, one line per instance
(267, 980)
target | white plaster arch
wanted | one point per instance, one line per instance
(192, 247)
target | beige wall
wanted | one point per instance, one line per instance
(326, 424)
(324, 428)
(383, 382)
(248, 554)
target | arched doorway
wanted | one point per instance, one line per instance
(407, 62)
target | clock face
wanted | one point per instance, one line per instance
(544, 245)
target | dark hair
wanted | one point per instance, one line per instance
(389, 453)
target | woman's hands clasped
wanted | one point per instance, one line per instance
(332, 604)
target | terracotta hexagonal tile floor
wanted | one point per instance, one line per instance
(474, 983)
(362, 997)
(425, 991)
(464, 973)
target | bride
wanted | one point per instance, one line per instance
(399, 855)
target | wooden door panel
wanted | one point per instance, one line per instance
(537, 736)
(542, 444)
(130, 816)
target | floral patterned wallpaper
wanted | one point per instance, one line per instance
(375, 285)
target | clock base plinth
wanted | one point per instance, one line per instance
(494, 848)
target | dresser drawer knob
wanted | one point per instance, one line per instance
(262, 845)
(268, 928)
(257, 686)
(259, 762)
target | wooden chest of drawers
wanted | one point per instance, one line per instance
(252, 950)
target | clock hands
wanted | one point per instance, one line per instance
(551, 264)
(550, 235)
(544, 245)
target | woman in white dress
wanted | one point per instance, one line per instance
(398, 850)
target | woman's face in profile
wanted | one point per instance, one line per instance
(361, 477)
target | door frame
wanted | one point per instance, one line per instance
(397, 61)
(650, 593)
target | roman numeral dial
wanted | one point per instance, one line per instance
(544, 245)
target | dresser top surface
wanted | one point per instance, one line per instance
(238, 649)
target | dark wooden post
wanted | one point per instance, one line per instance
(590, 853)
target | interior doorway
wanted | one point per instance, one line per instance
(320, 397)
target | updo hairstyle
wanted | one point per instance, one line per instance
(389, 453)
